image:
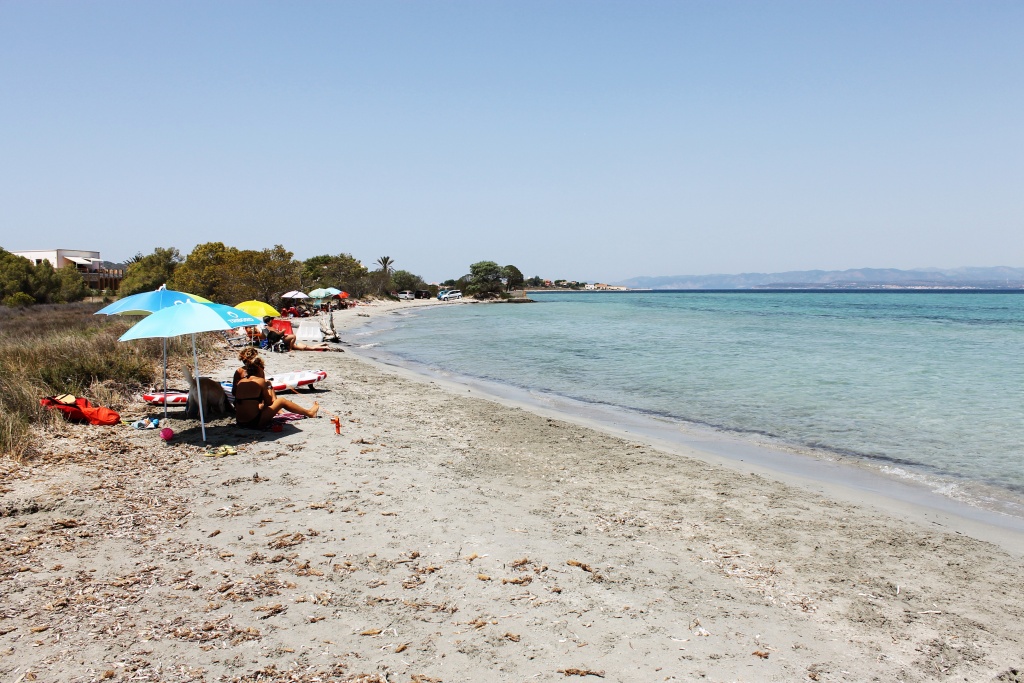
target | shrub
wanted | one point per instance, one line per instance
(19, 300)
(54, 349)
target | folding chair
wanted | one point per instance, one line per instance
(236, 341)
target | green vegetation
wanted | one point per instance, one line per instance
(23, 283)
(54, 349)
(229, 275)
(146, 273)
(226, 274)
(343, 271)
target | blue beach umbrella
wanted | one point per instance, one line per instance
(145, 303)
(190, 318)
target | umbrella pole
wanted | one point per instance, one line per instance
(199, 389)
(165, 379)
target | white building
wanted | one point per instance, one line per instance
(88, 263)
(58, 258)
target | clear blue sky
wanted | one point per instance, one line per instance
(591, 140)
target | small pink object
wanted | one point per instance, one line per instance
(166, 433)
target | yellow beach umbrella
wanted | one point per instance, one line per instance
(257, 309)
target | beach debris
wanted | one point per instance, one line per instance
(471, 557)
(760, 653)
(514, 637)
(270, 610)
(483, 577)
(581, 672)
(287, 541)
(518, 581)
(435, 607)
(371, 632)
(587, 568)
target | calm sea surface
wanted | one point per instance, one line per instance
(927, 385)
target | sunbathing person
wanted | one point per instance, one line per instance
(291, 343)
(256, 403)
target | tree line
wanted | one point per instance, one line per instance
(227, 274)
(23, 283)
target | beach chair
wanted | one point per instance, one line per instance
(234, 340)
(282, 325)
(309, 330)
(277, 347)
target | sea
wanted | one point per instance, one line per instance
(918, 386)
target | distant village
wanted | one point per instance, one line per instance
(538, 283)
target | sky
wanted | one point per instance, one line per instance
(588, 140)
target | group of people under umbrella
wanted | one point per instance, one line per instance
(169, 313)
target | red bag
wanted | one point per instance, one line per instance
(80, 410)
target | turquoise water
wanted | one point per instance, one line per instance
(928, 384)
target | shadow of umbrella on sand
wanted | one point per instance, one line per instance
(190, 318)
(145, 303)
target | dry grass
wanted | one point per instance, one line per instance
(65, 348)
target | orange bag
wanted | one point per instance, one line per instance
(82, 411)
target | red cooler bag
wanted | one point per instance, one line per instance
(80, 410)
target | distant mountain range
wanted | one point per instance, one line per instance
(860, 278)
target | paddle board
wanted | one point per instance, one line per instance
(280, 382)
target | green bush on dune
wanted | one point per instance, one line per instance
(55, 349)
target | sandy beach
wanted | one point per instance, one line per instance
(443, 536)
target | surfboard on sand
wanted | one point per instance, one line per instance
(280, 382)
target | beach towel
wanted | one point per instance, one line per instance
(285, 416)
(81, 410)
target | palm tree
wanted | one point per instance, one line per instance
(385, 263)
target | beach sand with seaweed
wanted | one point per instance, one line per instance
(442, 536)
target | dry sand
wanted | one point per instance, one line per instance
(443, 537)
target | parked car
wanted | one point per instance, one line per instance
(423, 294)
(441, 293)
(406, 294)
(451, 295)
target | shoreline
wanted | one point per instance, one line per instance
(847, 478)
(446, 537)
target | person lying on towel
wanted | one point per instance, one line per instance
(256, 404)
(291, 343)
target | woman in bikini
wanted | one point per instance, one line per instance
(256, 404)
